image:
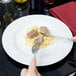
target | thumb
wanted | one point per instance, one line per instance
(23, 72)
(32, 66)
(74, 38)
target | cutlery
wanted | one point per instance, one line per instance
(35, 49)
(59, 37)
(64, 38)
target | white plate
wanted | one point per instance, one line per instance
(14, 42)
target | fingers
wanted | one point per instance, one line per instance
(32, 66)
(32, 70)
(38, 74)
(23, 72)
(74, 38)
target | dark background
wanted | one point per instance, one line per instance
(9, 67)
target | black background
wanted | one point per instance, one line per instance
(9, 67)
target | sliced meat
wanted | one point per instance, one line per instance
(44, 30)
(39, 40)
(32, 34)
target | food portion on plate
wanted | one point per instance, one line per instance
(38, 35)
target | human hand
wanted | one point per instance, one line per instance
(74, 38)
(32, 70)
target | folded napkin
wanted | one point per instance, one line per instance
(67, 14)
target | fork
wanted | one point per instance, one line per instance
(35, 49)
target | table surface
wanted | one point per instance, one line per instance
(9, 67)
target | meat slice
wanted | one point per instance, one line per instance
(32, 34)
(44, 30)
(39, 40)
